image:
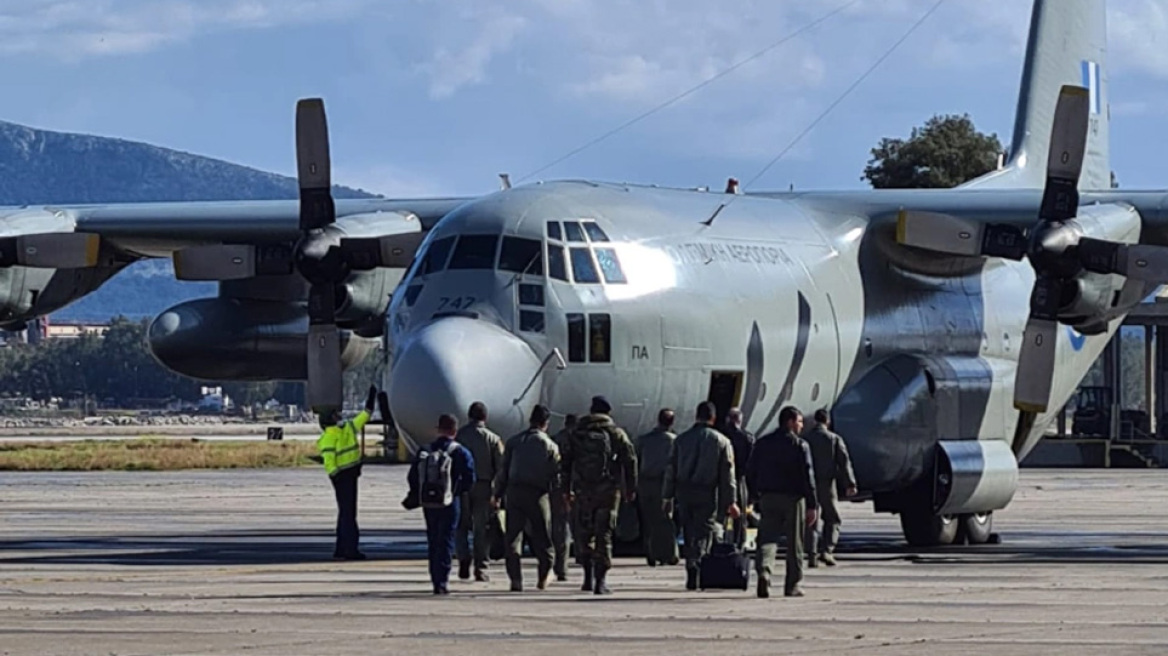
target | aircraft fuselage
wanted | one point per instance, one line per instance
(758, 302)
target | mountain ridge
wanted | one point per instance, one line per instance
(45, 167)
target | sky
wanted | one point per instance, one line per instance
(436, 97)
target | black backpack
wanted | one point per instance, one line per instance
(435, 478)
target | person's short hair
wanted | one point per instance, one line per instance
(448, 423)
(666, 417)
(570, 421)
(706, 411)
(600, 405)
(734, 416)
(821, 416)
(788, 413)
(540, 415)
(478, 411)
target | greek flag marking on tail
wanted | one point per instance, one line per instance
(1091, 83)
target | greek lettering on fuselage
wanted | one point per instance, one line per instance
(707, 253)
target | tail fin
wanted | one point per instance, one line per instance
(1068, 45)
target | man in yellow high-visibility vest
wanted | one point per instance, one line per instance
(340, 449)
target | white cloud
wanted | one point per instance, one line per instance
(73, 30)
(457, 65)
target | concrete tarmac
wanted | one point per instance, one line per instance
(228, 562)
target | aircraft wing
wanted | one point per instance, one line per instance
(160, 229)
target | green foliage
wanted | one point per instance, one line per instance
(946, 152)
(117, 369)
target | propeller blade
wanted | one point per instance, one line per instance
(390, 251)
(1022, 431)
(51, 250)
(313, 166)
(945, 233)
(324, 350)
(218, 262)
(1146, 263)
(232, 261)
(1035, 366)
(1036, 360)
(1068, 146)
(1135, 261)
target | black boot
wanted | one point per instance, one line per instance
(691, 578)
(587, 587)
(464, 570)
(601, 586)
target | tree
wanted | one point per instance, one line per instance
(944, 153)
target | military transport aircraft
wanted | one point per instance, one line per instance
(905, 312)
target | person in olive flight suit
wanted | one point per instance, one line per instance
(700, 478)
(599, 458)
(653, 453)
(476, 513)
(531, 464)
(833, 467)
(561, 514)
(782, 485)
(743, 442)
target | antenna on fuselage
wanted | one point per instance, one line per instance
(505, 181)
(733, 188)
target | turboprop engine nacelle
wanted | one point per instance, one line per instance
(238, 339)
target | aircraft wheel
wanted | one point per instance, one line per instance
(924, 529)
(976, 528)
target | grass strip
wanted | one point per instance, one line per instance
(149, 454)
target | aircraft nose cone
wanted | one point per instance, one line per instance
(453, 362)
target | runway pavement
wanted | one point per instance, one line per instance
(227, 562)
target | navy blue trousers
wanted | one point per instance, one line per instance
(440, 526)
(348, 535)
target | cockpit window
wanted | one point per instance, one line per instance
(610, 266)
(474, 252)
(553, 230)
(557, 265)
(436, 256)
(521, 256)
(582, 268)
(573, 231)
(594, 231)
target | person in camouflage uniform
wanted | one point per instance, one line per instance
(487, 449)
(599, 458)
(561, 514)
(654, 450)
(701, 478)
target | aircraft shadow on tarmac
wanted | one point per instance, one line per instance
(288, 547)
(223, 548)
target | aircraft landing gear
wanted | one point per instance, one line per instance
(975, 528)
(924, 529)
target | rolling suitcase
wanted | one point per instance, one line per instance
(726, 567)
